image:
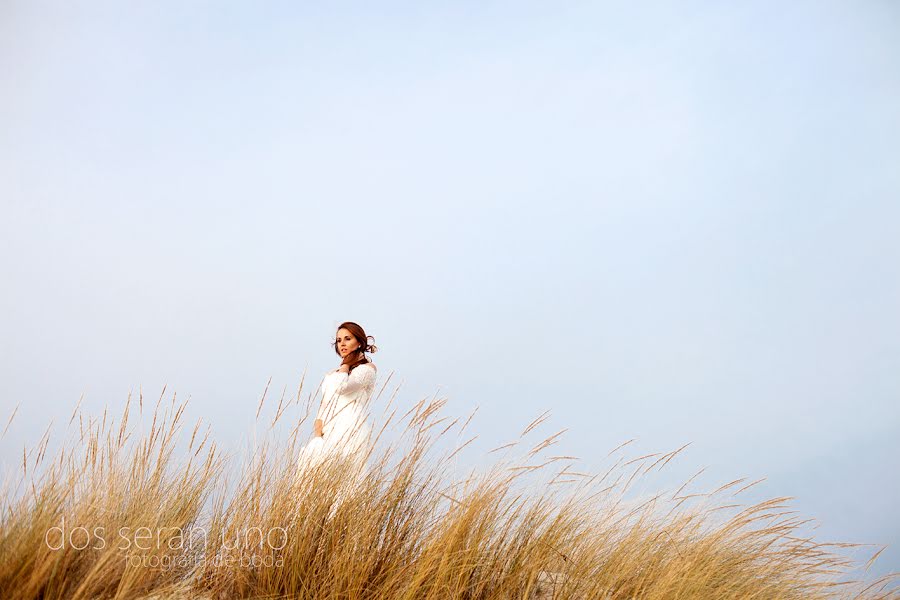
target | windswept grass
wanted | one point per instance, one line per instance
(530, 526)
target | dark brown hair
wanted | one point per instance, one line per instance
(358, 357)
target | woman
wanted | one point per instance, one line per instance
(340, 429)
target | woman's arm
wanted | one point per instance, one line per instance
(319, 423)
(362, 376)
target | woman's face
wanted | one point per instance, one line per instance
(346, 343)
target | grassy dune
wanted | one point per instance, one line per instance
(407, 529)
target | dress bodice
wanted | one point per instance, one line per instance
(344, 393)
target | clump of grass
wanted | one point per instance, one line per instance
(72, 528)
(528, 526)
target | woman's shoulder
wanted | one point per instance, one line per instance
(368, 364)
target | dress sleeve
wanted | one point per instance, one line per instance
(361, 377)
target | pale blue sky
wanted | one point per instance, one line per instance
(677, 222)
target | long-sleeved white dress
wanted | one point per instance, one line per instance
(345, 430)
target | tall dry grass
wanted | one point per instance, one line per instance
(528, 526)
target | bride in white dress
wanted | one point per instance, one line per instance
(341, 429)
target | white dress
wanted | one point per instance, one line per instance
(346, 433)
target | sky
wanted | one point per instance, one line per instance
(673, 222)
